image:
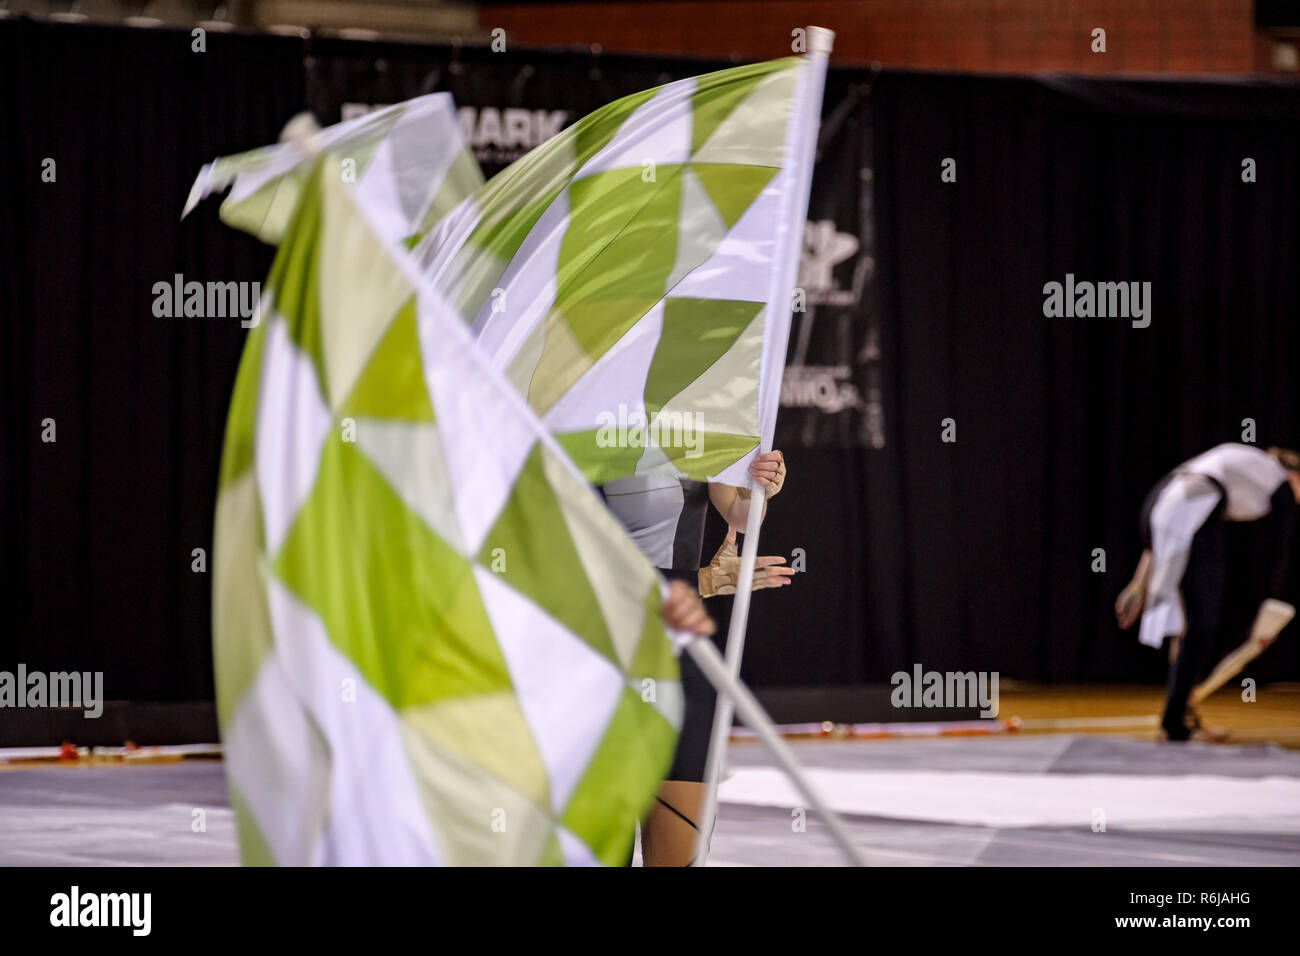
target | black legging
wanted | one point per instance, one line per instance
(697, 720)
(1203, 590)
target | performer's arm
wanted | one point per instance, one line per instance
(733, 503)
(1131, 601)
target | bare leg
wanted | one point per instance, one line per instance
(1272, 617)
(668, 831)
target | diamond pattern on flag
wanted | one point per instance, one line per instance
(432, 642)
(662, 212)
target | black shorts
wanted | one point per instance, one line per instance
(697, 724)
(700, 698)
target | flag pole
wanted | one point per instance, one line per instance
(804, 129)
(752, 713)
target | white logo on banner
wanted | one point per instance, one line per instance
(502, 136)
(824, 247)
(828, 388)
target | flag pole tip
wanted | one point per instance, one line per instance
(820, 40)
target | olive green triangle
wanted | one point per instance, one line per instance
(392, 383)
(733, 187)
(621, 778)
(596, 458)
(541, 561)
(712, 452)
(696, 333)
(396, 600)
(717, 94)
(241, 419)
(294, 278)
(617, 252)
(593, 132)
(654, 653)
(551, 855)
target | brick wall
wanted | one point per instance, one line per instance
(1198, 36)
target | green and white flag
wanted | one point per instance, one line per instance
(633, 276)
(410, 163)
(432, 642)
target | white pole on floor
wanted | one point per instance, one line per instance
(752, 713)
(801, 154)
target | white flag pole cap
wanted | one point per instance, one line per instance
(820, 40)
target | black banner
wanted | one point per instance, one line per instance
(508, 102)
(831, 394)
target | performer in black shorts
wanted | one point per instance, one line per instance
(665, 517)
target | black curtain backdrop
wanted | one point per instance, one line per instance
(1063, 424)
(971, 555)
(100, 525)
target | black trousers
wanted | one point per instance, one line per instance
(697, 723)
(700, 698)
(1203, 588)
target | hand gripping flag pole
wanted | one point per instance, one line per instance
(805, 122)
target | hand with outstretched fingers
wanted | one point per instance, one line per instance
(723, 572)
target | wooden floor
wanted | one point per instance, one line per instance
(1133, 711)
(1006, 797)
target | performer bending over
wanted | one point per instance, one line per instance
(665, 517)
(1183, 531)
